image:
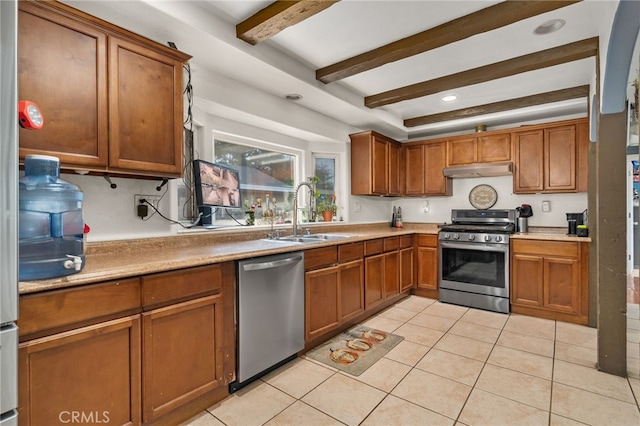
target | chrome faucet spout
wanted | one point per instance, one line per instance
(309, 184)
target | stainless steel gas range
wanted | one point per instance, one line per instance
(474, 259)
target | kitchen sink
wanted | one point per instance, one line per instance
(311, 238)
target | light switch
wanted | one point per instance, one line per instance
(546, 206)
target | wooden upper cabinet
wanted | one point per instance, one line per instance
(551, 158)
(462, 151)
(494, 148)
(560, 158)
(529, 161)
(435, 156)
(423, 169)
(145, 109)
(375, 164)
(111, 100)
(62, 67)
(479, 149)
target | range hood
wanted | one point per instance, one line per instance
(478, 170)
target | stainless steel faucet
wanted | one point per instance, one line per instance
(309, 184)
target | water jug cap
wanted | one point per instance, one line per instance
(38, 165)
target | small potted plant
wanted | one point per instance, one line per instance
(327, 207)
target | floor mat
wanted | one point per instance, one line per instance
(356, 349)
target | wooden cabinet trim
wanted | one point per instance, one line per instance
(69, 307)
(352, 251)
(373, 247)
(320, 257)
(391, 243)
(169, 287)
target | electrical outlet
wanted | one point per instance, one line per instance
(546, 206)
(358, 207)
(153, 199)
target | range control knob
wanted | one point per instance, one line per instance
(456, 236)
(498, 238)
(487, 237)
(472, 237)
(447, 236)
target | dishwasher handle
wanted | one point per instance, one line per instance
(272, 264)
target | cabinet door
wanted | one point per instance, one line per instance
(374, 280)
(562, 284)
(462, 151)
(560, 158)
(494, 148)
(351, 289)
(322, 296)
(183, 353)
(414, 170)
(406, 269)
(391, 274)
(62, 66)
(527, 280)
(529, 164)
(435, 157)
(427, 268)
(93, 371)
(145, 110)
(380, 170)
(394, 169)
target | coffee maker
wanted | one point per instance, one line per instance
(573, 220)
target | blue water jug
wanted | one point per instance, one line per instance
(50, 221)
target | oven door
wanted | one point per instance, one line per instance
(475, 268)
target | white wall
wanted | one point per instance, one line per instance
(440, 207)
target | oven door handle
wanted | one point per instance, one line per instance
(504, 248)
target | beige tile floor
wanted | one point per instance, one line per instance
(456, 366)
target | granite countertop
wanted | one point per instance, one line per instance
(114, 260)
(549, 234)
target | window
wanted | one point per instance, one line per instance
(324, 167)
(266, 181)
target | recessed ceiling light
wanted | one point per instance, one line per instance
(549, 27)
(293, 97)
(449, 98)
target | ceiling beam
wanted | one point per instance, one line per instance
(278, 16)
(527, 101)
(484, 20)
(534, 61)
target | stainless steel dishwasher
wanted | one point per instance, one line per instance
(270, 314)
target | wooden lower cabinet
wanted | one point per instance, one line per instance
(427, 260)
(182, 354)
(153, 349)
(90, 375)
(374, 280)
(391, 274)
(321, 299)
(333, 295)
(549, 279)
(407, 271)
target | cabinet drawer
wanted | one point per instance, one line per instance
(372, 247)
(551, 248)
(62, 308)
(406, 241)
(317, 258)
(353, 251)
(391, 243)
(425, 240)
(175, 285)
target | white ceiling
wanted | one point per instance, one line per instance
(286, 63)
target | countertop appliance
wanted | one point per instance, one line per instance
(8, 213)
(270, 314)
(474, 259)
